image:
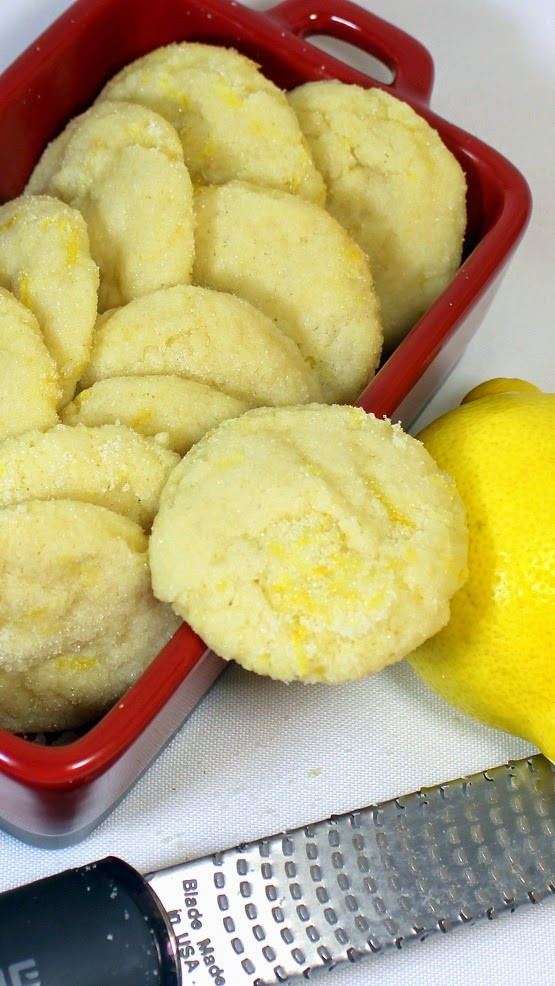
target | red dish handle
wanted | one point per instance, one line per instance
(410, 62)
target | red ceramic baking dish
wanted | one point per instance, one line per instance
(55, 794)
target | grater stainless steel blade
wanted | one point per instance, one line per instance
(358, 884)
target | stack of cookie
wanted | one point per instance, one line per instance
(202, 254)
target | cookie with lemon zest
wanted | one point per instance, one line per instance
(314, 543)
(122, 166)
(46, 263)
(184, 410)
(294, 262)
(78, 620)
(207, 336)
(394, 185)
(111, 465)
(29, 389)
(232, 120)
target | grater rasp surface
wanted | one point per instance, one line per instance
(357, 884)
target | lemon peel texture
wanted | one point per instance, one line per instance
(495, 658)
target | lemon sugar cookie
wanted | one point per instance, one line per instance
(294, 262)
(78, 620)
(232, 120)
(121, 165)
(314, 543)
(207, 336)
(155, 405)
(112, 466)
(29, 389)
(45, 262)
(394, 185)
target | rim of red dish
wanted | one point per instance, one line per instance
(85, 758)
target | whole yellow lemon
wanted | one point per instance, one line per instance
(495, 659)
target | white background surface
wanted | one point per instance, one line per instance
(257, 756)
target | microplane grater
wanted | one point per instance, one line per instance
(281, 908)
(360, 883)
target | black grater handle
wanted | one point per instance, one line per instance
(90, 926)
